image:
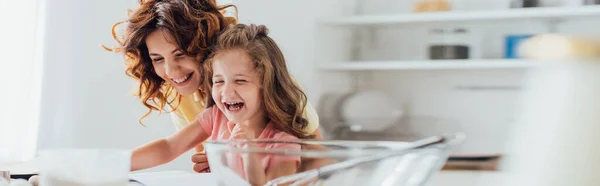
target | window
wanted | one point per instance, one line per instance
(20, 77)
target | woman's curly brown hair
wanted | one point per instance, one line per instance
(194, 26)
(283, 99)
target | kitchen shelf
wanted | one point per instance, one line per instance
(542, 13)
(430, 65)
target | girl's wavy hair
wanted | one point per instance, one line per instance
(194, 26)
(282, 98)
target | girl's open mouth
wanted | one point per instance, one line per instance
(233, 106)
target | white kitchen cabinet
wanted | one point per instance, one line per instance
(383, 47)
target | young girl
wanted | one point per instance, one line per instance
(252, 97)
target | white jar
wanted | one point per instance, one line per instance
(449, 43)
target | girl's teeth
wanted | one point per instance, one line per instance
(234, 106)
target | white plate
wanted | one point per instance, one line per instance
(371, 110)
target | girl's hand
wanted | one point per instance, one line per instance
(241, 131)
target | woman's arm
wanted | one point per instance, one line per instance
(165, 150)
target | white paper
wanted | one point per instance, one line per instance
(179, 178)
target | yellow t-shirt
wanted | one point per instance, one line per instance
(188, 109)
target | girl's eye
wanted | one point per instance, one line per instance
(241, 81)
(180, 55)
(218, 82)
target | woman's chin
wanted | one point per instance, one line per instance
(186, 91)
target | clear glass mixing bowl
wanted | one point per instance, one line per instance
(330, 162)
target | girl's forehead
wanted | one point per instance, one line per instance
(235, 60)
(240, 54)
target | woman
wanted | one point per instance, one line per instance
(164, 45)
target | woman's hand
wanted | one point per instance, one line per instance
(200, 163)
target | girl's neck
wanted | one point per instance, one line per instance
(258, 124)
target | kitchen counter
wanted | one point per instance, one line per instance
(468, 178)
(443, 178)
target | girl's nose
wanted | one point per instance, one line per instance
(228, 89)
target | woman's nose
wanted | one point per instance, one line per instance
(171, 68)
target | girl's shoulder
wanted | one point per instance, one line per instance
(276, 134)
(212, 120)
(211, 113)
(280, 135)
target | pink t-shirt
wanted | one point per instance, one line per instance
(215, 124)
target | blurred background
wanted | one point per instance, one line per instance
(374, 69)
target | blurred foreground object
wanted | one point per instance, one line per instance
(5, 175)
(558, 46)
(15, 182)
(554, 141)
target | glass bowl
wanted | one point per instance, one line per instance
(329, 162)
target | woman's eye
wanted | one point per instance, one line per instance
(158, 59)
(241, 81)
(180, 55)
(218, 82)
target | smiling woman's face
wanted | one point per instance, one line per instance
(176, 68)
